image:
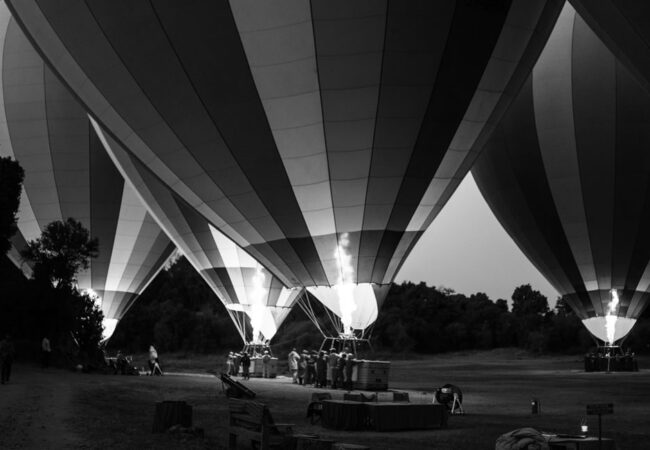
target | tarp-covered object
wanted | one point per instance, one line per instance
(522, 439)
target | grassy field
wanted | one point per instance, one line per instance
(117, 411)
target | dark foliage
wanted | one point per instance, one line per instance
(63, 249)
(11, 180)
(178, 311)
(49, 304)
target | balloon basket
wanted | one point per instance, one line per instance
(611, 358)
(353, 343)
(256, 349)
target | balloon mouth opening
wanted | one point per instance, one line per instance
(597, 326)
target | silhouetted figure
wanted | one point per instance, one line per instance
(293, 360)
(349, 365)
(340, 369)
(245, 366)
(321, 370)
(266, 364)
(332, 361)
(7, 353)
(46, 351)
(121, 364)
(311, 369)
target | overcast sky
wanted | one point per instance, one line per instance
(466, 249)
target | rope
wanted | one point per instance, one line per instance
(309, 311)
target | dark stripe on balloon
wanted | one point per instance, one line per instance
(461, 68)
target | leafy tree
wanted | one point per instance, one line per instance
(64, 248)
(562, 308)
(11, 180)
(86, 325)
(526, 301)
(502, 304)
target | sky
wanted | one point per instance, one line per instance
(467, 250)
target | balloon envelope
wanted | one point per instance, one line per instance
(240, 282)
(320, 136)
(69, 174)
(624, 26)
(567, 175)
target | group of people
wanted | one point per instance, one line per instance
(123, 364)
(323, 369)
(610, 361)
(235, 361)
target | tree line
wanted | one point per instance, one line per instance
(179, 312)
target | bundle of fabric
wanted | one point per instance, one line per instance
(522, 439)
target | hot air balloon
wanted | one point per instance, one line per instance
(69, 174)
(567, 174)
(322, 137)
(240, 282)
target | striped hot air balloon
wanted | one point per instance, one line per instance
(240, 282)
(322, 137)
(567, 174)
(69, 174)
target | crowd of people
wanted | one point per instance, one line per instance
(123, 364)
(610, 360)
(237, 361)
(322, 369)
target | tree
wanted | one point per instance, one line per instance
(11, 180)
(562, 307)
(63, 249)
(528, 302)
(87, 325)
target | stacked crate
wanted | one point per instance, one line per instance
(372, 375)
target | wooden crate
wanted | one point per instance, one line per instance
(372, 375)
(256, 367)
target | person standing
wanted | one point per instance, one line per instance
(293, 360)
(266, 364)
(153, 359)
(311, 368)
(229, 363)
(120, 363)
(245, 366)
(321, 370)
(236, 363)
(302, 367)
(46, 351)
(332, 361)
(349, 365)
(7, 352)
(340, 368)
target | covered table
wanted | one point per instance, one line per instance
(580, 443)
(344, 415)
(406, 416)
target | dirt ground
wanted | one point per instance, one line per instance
(59, 409)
